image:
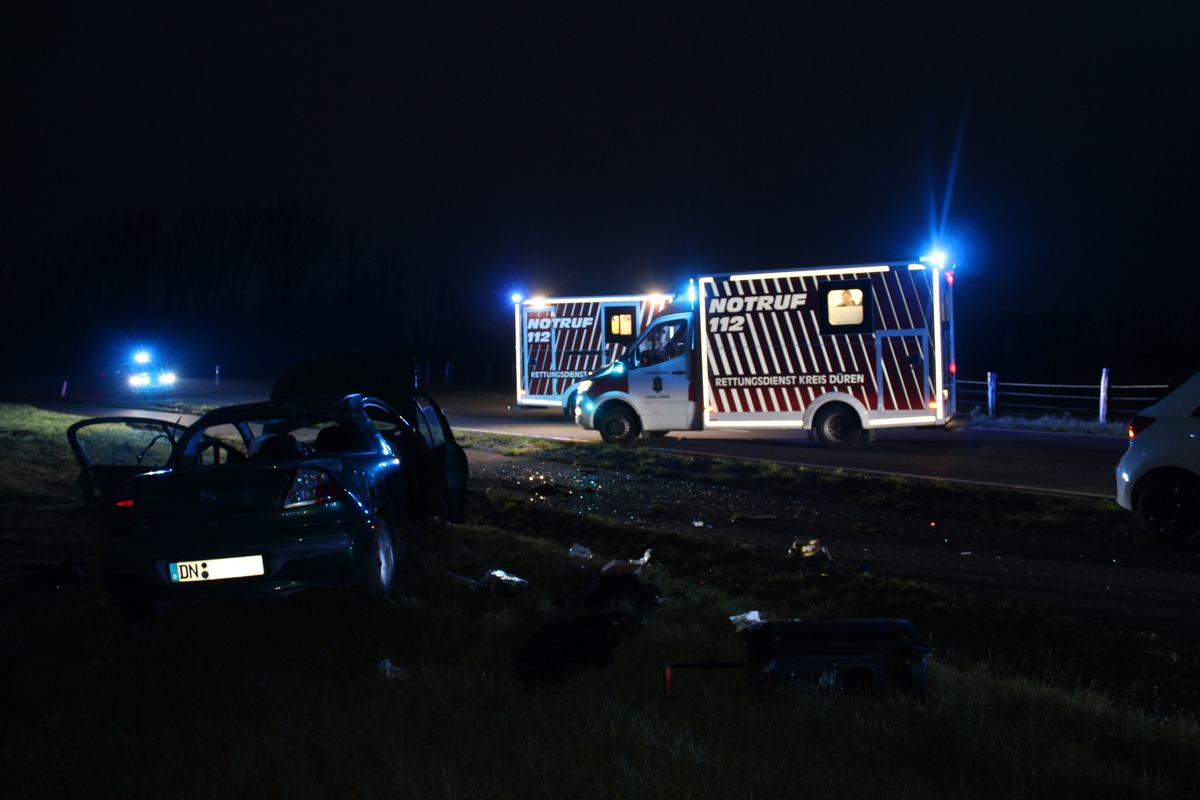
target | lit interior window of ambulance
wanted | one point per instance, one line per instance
(845, 306)
(621, 325)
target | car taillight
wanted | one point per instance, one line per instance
(312, 487)
(123, 512)
(1139, 424)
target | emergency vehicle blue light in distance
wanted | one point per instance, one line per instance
(141, 357)
(517, 297)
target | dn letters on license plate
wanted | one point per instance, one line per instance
(216, 569)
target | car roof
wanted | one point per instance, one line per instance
(320, 405)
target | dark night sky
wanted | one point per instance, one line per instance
(588, 147)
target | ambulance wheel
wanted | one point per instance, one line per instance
(837, 426)
(618, 426)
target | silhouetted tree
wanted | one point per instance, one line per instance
(213, 264)
(286, 245)
(127, 262)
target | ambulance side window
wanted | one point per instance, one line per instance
(620, 325)
(845, 307)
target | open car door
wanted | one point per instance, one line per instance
(111, 450)
(447, 455)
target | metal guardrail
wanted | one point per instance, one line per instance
(1103, 402)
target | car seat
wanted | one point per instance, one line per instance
(279, 446)
(335, 439)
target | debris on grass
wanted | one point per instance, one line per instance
(389, 671)
(496, 580)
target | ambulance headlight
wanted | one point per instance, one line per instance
(584, 386)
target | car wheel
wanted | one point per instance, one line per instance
(1169, 508)
(618, 426)
(837, 426)
(569, 408)
(379, 579)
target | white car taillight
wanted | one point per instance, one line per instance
(312, 487)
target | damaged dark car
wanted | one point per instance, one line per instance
(264, 499)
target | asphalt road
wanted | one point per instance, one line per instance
(1057, 462)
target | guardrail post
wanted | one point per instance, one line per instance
(1104, 395)
(991, 391)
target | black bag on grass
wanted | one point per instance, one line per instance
(559, 649)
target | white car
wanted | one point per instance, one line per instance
(1158, 478)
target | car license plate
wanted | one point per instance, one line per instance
(216, 569)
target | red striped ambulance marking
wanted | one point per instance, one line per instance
(895, 363)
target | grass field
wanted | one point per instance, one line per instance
(284, 699)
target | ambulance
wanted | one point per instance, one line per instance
(562, 340)
(838, 351)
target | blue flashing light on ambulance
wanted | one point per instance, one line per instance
(840, 351)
